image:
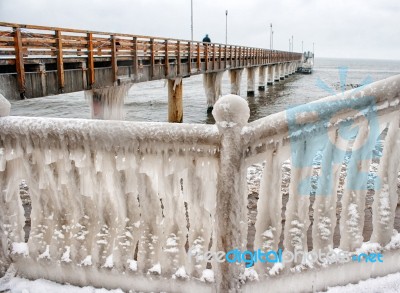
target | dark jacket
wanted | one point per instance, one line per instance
(206, 39)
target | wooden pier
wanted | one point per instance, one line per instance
(37, 61)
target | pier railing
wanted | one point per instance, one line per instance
(145, 57)
(137, 205)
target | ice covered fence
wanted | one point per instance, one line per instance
(135, 205)
(115, 198)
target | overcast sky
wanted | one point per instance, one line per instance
(339, 28)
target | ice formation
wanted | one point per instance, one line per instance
(101, 190)
(236, 77)
(108, 103)
(212, 86)
(5, 106)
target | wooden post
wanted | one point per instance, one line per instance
(237, 54)
(198, 57)
(175, 104)
(178, 48)
(230, 56)
(135, 58)
(41, 69)
(262, 56)
(60, 62)
(213, 59)
(19, 62)
(166, 62)
(84, 75)
(206, 46)
(220, 57)
(240, 56)
(152, 59)
(190, 58)
(114, 65)
(226, 56)
(90, 60)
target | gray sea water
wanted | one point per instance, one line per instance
(149, 101)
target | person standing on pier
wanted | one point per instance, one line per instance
(206, 39)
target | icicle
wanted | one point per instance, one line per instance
(174, 253)
(108, 103)
(151, 219)
(353, 200)
(324, 208)
(269, 206)
(300, 189)
(212, 87)
(386, 197)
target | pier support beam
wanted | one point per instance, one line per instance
(212, 87)
(236, 77)
(251, 81)
(82, 65)
(270, 75)
(43, 83)
(261, 78)
(175, 101)
(276, 72)
(292, 68)
(108, 103)
(286, 66)
(281, 71)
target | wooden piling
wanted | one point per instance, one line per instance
(175, 101)
(90, 60)
(152, 59)
(198, 58)
(178, 48)
(189, 58)
(135, 58)
(60, 62)
(166, 58)
(19, 62)
(114, 64)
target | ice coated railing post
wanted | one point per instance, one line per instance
(231, 113)
(4, 260)
(5, 106)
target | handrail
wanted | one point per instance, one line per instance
(112, 133)
(253, 50)
(49, 28)
(385, 94)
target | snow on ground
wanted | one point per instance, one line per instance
(386, 284)
(20, 285)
